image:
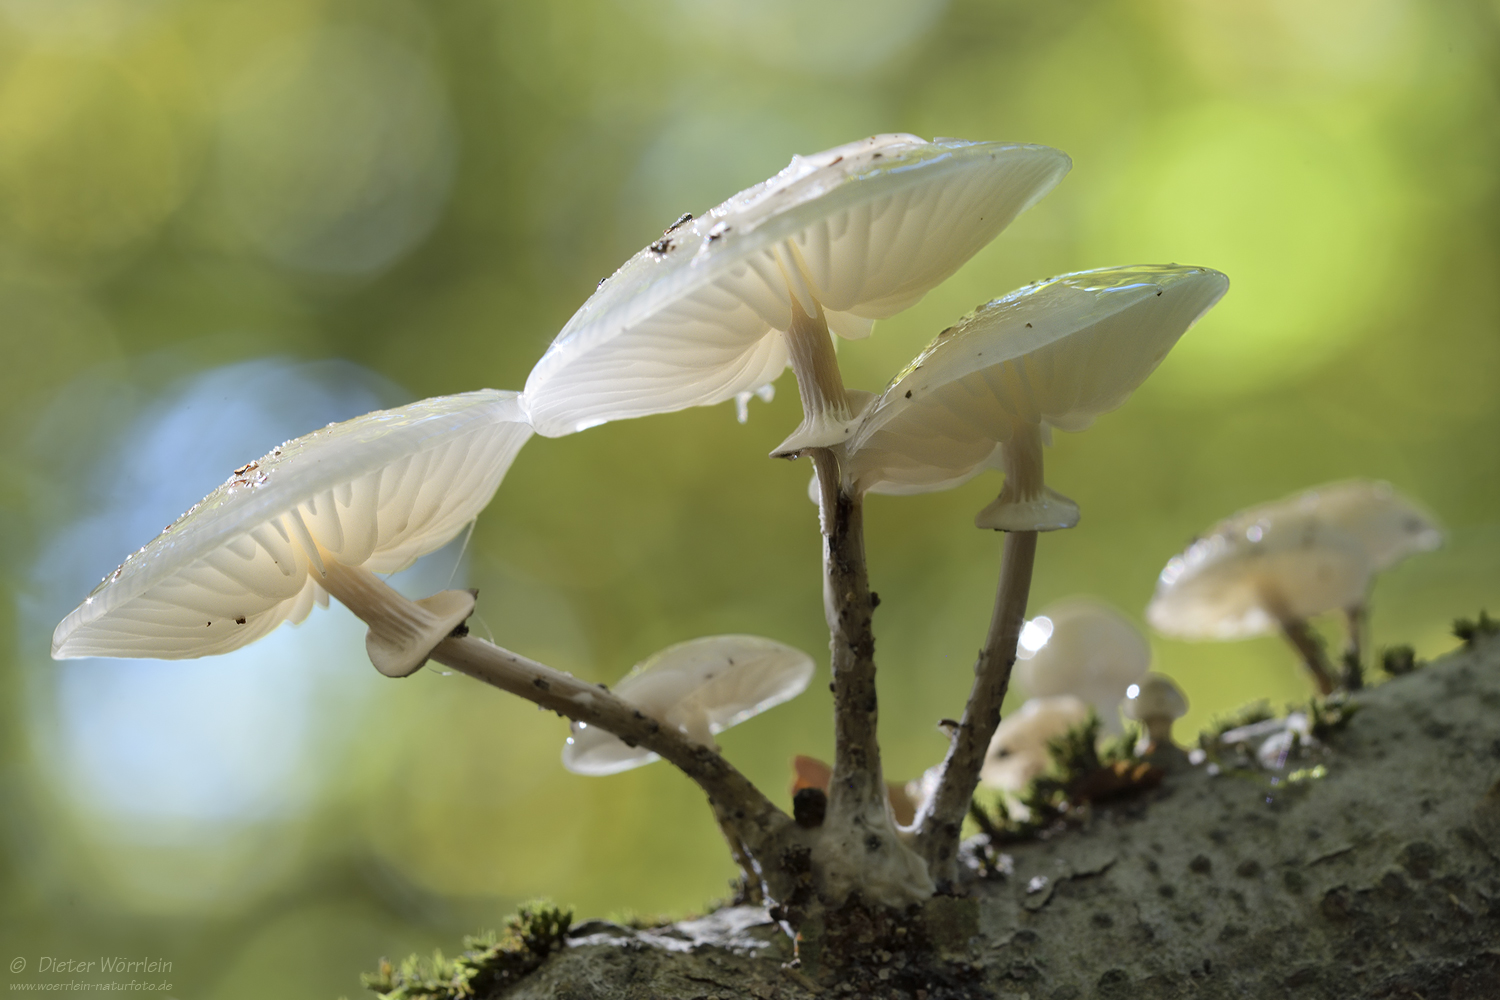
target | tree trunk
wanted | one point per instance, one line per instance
(1380, 879)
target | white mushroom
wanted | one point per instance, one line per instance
(1018, 750)
(319, 515)
(1082, 647)
(987, 393)
(1155, 703)
(721, 304)
(1265, 569)
(1389, 527)
(990, 389)
(700, 687)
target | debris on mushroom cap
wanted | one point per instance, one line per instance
(1083, 647)
(376, 491)
(861, 231)
(1256, 570)
(1018, 750)
(701, 687)
(1155, 698)
(1055, 354)
(1388, 525)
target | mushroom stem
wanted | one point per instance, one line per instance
(1025, 502)
(849, 609)
(826, 413)
(1310, 647)
(941, 820)
(1356, 617)
(402, 631)
(858, 846)
(751, 823)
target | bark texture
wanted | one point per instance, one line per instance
(1379, 879)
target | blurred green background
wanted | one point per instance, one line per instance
(227, 222)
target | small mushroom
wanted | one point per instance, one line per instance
(1155, 703)
(1389, 526)
(1266, 569)
(834, 242)
(1082, 647)
(988, 392)
(319, 515)
(1018, 750)
(700, 687)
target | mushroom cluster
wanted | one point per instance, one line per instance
(715, 310)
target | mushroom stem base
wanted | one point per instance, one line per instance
(941, 820)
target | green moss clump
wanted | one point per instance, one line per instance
(1327, 716)
(1399, 661)
(1469, 630)
(489, 962)
(1081, 772)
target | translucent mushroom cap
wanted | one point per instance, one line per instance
(864, 229)
(1018, 750)
(701, 687)
(1082, 647)
(375, 492)
(1250, 572)
(1388, 525)
(1155, 699)
(1055, 354)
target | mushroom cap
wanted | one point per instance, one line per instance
(701, 687)
(1056, 353)
(1388, 525)
(1018, 750)
(1257, 568)
(376, 491)
(865, 229)
(1155, 697)
(1083, 647)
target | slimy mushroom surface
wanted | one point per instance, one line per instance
(722, 303)
(318, 514)
(701, 687)
(988, 392)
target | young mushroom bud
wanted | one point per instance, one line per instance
(1155, 703)
(721, 304)
(1082, 647)
(319, 515)
(701, 688)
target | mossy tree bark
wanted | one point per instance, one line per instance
(1380, 879)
